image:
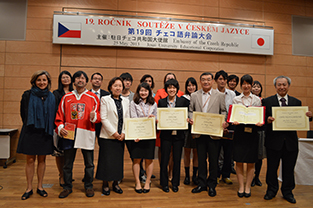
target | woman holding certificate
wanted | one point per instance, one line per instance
(246, 138)
(171, 139)
(143, 105)
(37, 112)
(113, 110)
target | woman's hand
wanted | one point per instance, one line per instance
(150, 116)
(259, 124)
(190, 121)
(236, 123)
(270, 119)
(122, 137)
(225, 125)
(63, 132)
(137, 140)
(309, 114)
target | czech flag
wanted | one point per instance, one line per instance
(69, 30)
(260, 42)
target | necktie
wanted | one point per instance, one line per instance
(283, 102)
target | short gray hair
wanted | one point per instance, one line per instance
(280, 77)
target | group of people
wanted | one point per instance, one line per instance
(68, 119)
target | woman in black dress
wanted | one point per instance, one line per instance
(37, 113)
(143, 105)
(171, 139)
(113, 110)
(246, 138)
(65, 85)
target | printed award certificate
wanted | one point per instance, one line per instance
(70, 128)
(246, 115)
(208, 123)
(140, 128)
(172, 118)
(290, 118)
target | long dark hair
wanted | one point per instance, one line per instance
(137, 97)
(60, 85)
(144, 77)
(192, 81)
(170, 73)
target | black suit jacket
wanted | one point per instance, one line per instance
(275, 139)
(98, 125)
(180, 102)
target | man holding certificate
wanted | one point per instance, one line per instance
(78, 109)
(207, 100)
(280, 145)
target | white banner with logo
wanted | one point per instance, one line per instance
(146, 33)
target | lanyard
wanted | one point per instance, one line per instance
(144, 111)
(206, 101)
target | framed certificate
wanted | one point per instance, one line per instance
(289, 118)
(140, 128)
(246, 115)
(208, 123)
(172, 118)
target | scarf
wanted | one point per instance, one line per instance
(41, 113)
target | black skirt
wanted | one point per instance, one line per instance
(246, 144)
(111, 160)
(34, 142)
(143, 149)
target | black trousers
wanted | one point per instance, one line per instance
(166, 146)
(69, 157)
(207, 147)
(227, 146)
(289, 159)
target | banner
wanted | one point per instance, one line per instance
(147, 33)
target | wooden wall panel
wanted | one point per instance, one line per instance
(20, 59)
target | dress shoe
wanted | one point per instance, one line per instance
(247, 195)
(268, 196)
(175, 188)
(227, 181)
(139, 191)
(187, 180)
(145, 191)
(165, 189)
(65, 193)
(257, 182)
(212, 192)
(240, 195)
(106, 190)
(117, 189)
(290, 199)
(90, 192)
(198, 189)
(26, 195)
(253, 183)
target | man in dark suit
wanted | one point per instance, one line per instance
(207, 100)
(280, 144)
(96, 81)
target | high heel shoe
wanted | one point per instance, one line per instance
(26, 195)
(147, 190)
(240, 195)
(139, 191)
(117, 189)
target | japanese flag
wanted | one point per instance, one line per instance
(260, 42)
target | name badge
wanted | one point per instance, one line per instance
(248, 129)
(174, 132)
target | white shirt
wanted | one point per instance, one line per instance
(280, 97)
(96, 92)
(250, 100)
(229, 97)
(206, 100)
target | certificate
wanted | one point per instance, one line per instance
(290, 118)
(208, 123)
(70, 128)
(172, 118)
(140, 128)
(246, 115)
